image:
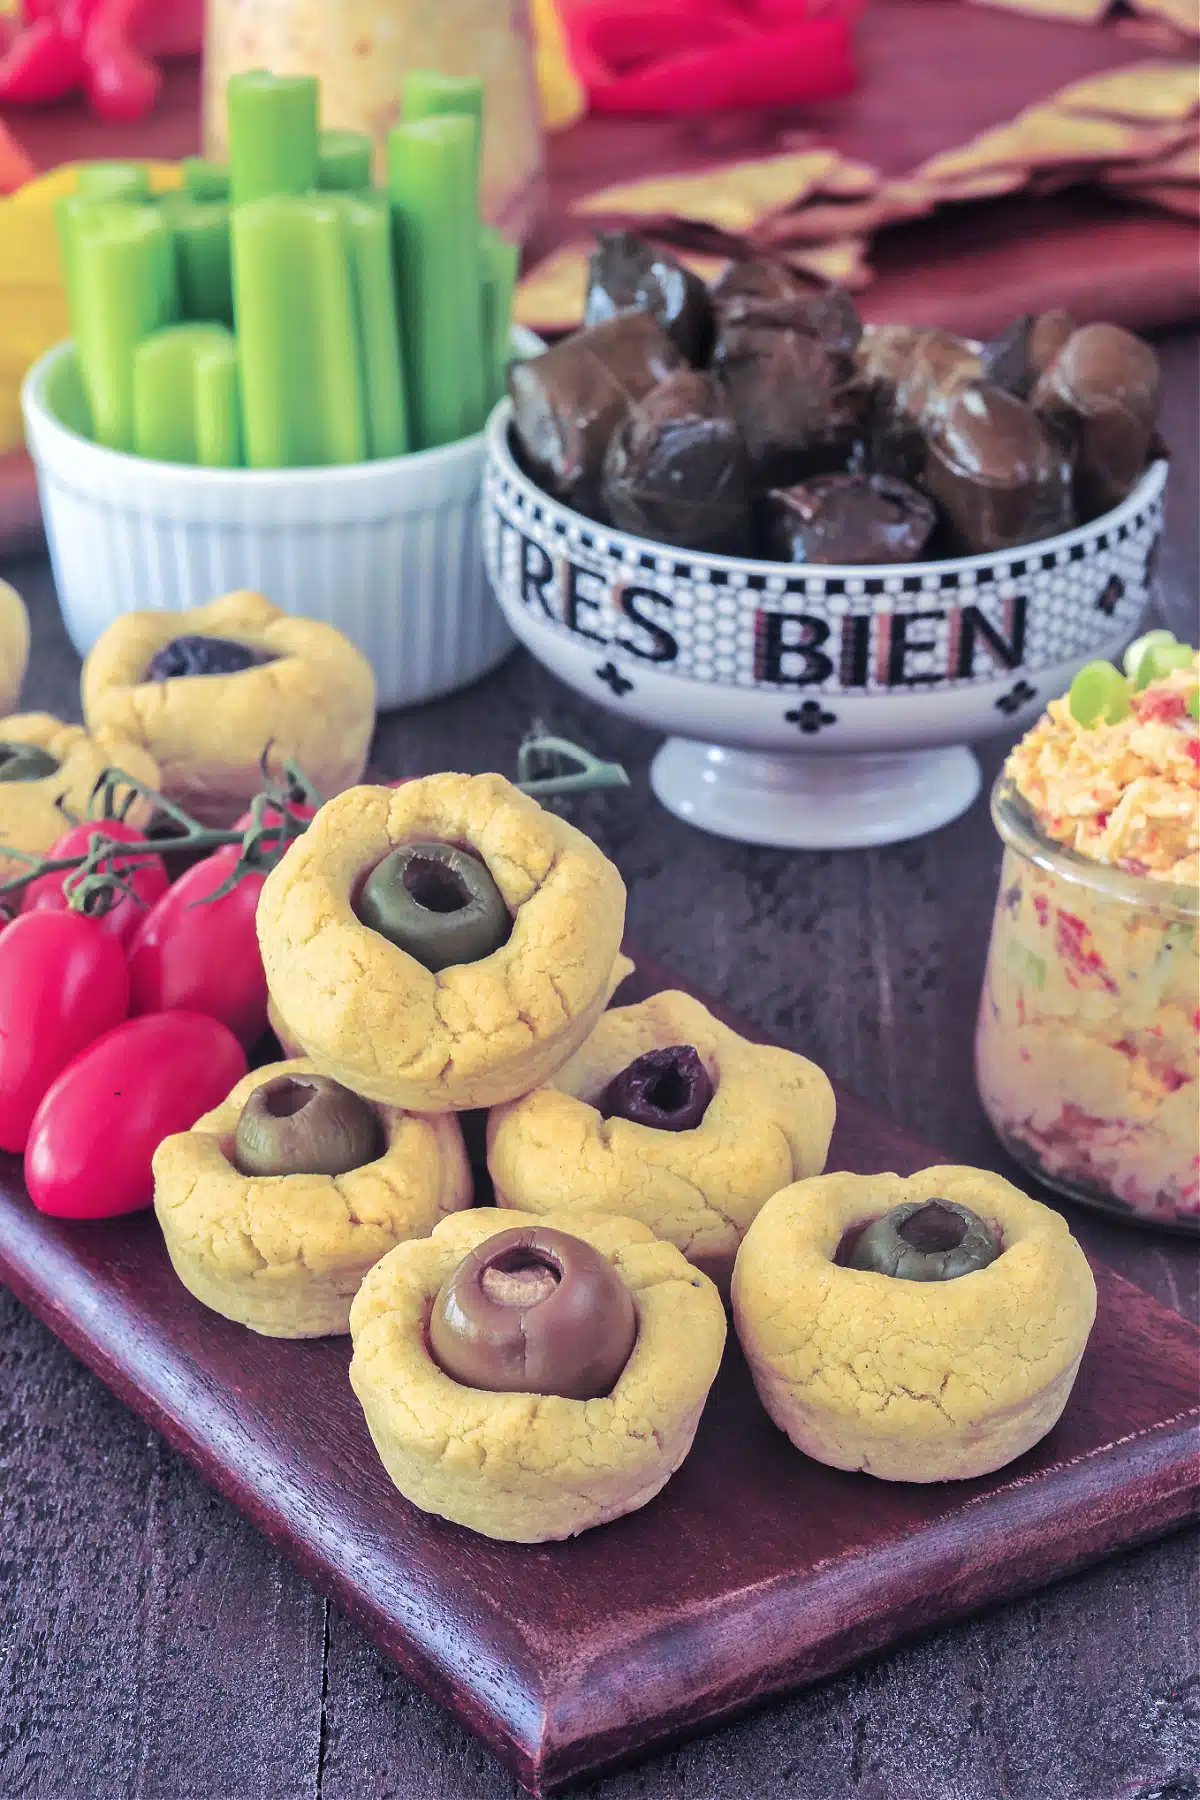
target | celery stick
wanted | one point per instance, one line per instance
(369, 239)
(498, 259)
(185, 396)
(114, 181)
(428, 95)
(123, 288)
(434, 193)
(343, 161)
(298, 350)
(205, 180)
(200, 233)
(272, 134)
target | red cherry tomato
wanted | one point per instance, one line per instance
(95, 1133)
(272, 814)
(148, 879)
(62, 982)
(201, 954)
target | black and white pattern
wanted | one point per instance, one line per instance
(963, 624)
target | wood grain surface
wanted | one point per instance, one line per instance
(754, 1572)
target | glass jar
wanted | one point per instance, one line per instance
(361, 50)
(1086, 1045)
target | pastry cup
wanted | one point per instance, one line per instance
(768, 1124)
(31, 816)
(315, 703)
(908, 1380)
(477, 1033)
(532, 1467)
(284, 1254)
(14, 646)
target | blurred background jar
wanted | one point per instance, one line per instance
(1086, 1050)
(362, 49)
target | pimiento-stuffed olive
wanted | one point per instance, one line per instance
(667, 1089)
(194, 654)
(305, 1125)
(436, 903)
(25, 762)
(534, 1311)
(931, 1240)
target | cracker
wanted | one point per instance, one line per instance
(1080, 12)
(1182, 14)
(1153, 92)
(732, 197)
(1172, 196)
(841, 260)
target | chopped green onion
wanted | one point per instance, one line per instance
(1099, 695)
(1162, 658)
(1193, 703)
(1136, 659)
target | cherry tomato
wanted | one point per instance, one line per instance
(148, 878)
(272, 814)
(95, 1133)
(62, 982)
(201, 954)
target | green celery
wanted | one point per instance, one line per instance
(498, 259)
(114, 181)
(369, 242)
(122, 289)
(433, 186)
(343, 161)
(298, 348)
(272, 134)
(204, 180)
(200, 233)
(185, 396)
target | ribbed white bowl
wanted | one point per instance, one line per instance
(387, 551)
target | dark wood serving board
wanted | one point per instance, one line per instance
(754, 1572)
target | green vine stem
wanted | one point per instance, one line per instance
(93, 887)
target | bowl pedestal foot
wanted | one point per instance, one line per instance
(814, 801)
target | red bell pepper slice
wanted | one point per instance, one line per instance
(812, 60)
(42, 63)
(122, 84)
(15, 170)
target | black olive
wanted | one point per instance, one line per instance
(668, 1090)
(534, 1311)
(194, 654)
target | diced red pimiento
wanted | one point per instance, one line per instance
(1041, 907)
(1196, 1019)
(1069, 941)
(1163, 708)
(1125, 1047)
(1173, 1080)
(1102, 820)
(1192, 749)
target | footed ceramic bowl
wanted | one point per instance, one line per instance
(812, 706)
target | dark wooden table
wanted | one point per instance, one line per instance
(152, 1646)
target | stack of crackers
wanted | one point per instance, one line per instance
(1135, 130)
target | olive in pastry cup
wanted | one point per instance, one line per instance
(14, 646)
(48, 771)
(666, 1115)
(442, 945)
(208, 692)
(919, 1329)
(275, 1204)
(506, 1297)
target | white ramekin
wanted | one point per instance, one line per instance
(387, 551)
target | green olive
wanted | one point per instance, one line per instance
(925, 1240)
(305, 1125)
(534, 1311)
(436, 903)
(25, 762)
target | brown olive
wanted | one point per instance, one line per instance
(915, 369)
(925, 1240)
(436, 903)
(195, 654)
(675, 469)
(1101, 392)
(534, 1311)
(667, 1089)
(626, 271)
(25, 762)
(305, 1125)
(1000, 477)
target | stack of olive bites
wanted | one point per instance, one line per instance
(758, 418)
(533, 1368)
